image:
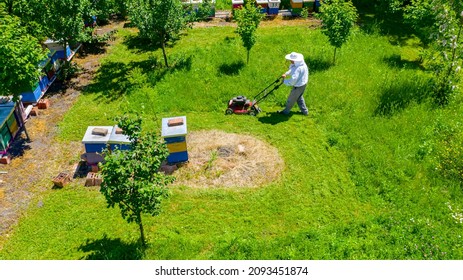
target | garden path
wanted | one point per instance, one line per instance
(35, 163)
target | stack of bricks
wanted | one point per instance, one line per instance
(35, 111)
(93, 179)
(5, 159)
(61, 180)
(94, 168)
(43, 104)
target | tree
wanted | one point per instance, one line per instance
(104, 9)
(204, 11)
(131, 178)
(158, 20)
(438, 24)
(446, 53)
(248, 19)
(421, 16)
(388, 8)
(20, 55)
(8, 5)
(68, 27)
(338, 17)
(60, 20)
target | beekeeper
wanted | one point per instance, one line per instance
(297, 78)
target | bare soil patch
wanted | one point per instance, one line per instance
(220, 159)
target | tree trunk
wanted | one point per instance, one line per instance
(10, 7)
(163, 46)
(247, 58)
(65, 53)
(334, 57)
(454, 52)
(23, 124)
(142, 231)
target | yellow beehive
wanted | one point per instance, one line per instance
(176, 147)
(296, 3)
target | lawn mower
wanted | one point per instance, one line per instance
(241, 105)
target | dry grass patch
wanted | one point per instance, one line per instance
(219, 159)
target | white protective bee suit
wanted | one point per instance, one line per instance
(298, 78)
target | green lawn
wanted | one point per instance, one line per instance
(361, 178)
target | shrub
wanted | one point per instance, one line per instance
(450, 157)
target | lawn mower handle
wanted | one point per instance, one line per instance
(257, 100)
(276, 81)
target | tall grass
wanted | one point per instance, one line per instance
(360, 180)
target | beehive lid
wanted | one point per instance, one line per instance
(5, 101)
(90, 138)
(116, 138)
(50, 42)
(5, 112)
(175, 129)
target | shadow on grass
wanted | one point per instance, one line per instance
(112, 249)
(140, 44)
(274, 118)
(229, 39)
(397, 95)
(318, 64)
(110, 80)
(396, 61)
(231, 69)
(135, 42)
(92, 48)
(115, 79)
(392, 26)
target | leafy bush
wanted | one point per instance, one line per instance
(450, 157)
(105, 9)
(204, 11)
(68, 70)
(90, 38)
(305, 13)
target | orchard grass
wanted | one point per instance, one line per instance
(361, 177)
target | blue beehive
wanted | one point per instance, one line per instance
(10, 123)
(43, 83)
(60, 51)
(174, 131)
(263, 4)
(48, 75)
(95, 143)
(273, 7)
(117, 140)
(32, 95)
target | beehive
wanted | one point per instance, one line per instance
(96, 142)
(118, 140)
(174, 131)
(273, 7)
